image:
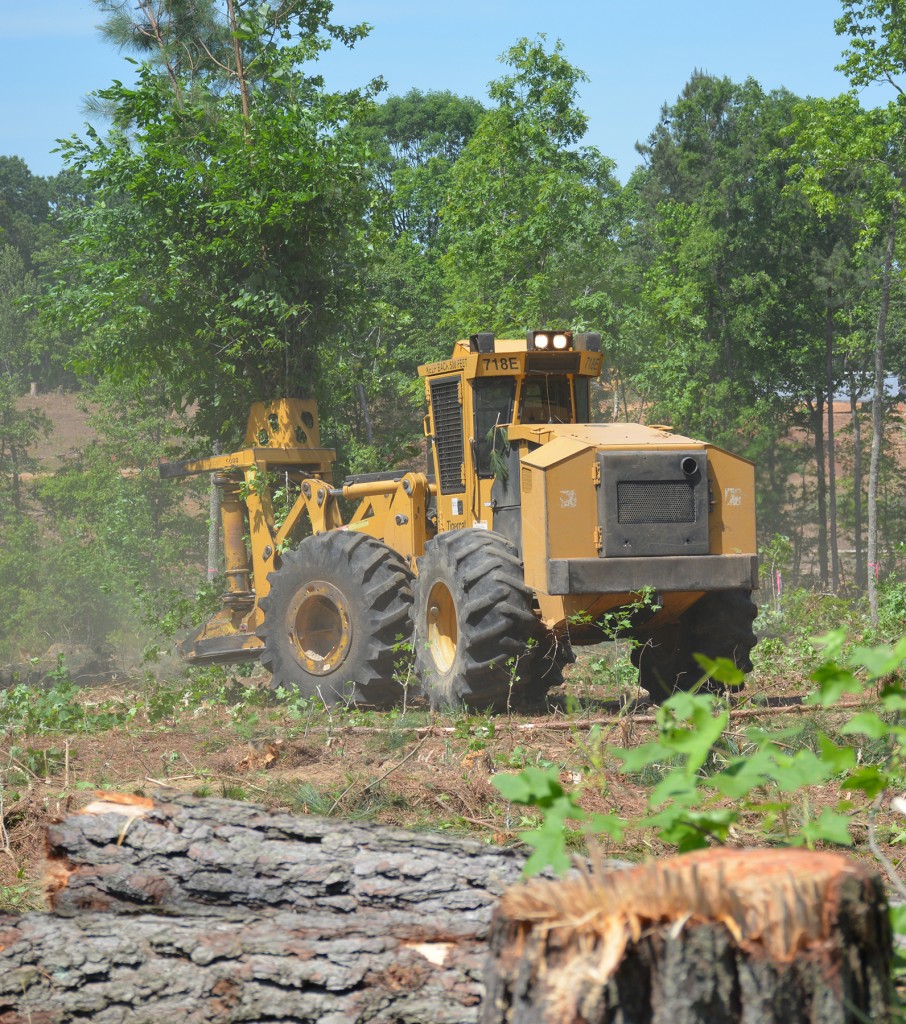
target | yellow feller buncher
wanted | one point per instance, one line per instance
(530, 526)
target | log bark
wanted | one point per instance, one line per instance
(309, 967)
(188, 855)
(757, 937)
(218, 911)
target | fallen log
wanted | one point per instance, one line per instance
(721, 936)
(187, 855)
(201, 910)
(301, 967)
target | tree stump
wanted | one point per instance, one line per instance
(751, 936)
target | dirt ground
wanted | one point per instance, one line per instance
(71, 430)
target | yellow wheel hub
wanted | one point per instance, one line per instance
(442, 633)
(320, 628)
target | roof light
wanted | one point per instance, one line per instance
(546, 340)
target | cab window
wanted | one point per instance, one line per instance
(546, 399)
(493, 400)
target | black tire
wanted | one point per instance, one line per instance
(473, 618)
(337, 608)
(718, 625)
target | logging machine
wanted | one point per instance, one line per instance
(531, 528)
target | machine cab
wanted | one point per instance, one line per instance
(480, 396)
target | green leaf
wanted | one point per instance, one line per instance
(707, 728)
(637, 758)
(837, 759)
(867, 724)
(722, 669)
(549, 848)
(743, 774)
(829, 827)
(804, 768)
(607, 824)
(868, 780)
(532, 786)
(833, 682)
(832, 643)
(880, 660)
(679, 788)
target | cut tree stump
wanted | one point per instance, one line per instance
(750, 936)
(191, 911)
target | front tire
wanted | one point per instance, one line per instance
(473, 618)
(337, 609)
(718, 625)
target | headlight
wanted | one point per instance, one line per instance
(559, 340)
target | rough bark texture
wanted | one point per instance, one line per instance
(309, 966)
(221, 857)
(749, 937)
(213, 910)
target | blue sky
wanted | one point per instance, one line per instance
(637, 57)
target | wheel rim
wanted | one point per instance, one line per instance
(441, 629)
(320, 627)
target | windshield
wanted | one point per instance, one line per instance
(546, 399)
(494, 401)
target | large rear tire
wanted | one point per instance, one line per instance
(473, 619)
(718, 625)
(337, 609)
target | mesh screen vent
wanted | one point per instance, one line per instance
(448, 433)
(655, 501)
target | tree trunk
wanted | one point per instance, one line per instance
(821, 486)
(857, 485)
(831, 453)
(295, 966)
(877, 418)
(366, 413)
(722, 936)
(206, 856)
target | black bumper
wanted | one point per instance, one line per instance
(664, 573)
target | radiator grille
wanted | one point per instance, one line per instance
(655, 501)
(448, 433)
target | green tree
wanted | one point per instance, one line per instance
(377, 397)
(19, 427)
(729, 339)
(531, 215)
(115, 543)
(222, 247)
(837, 140)
(25, 208)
